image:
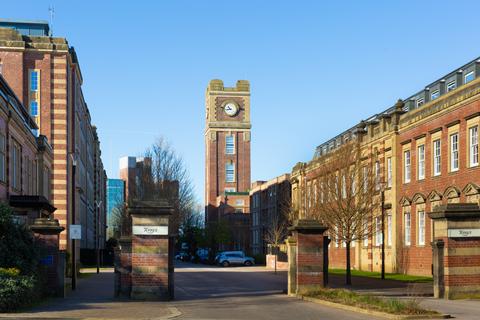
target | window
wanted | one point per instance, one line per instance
(469, 77)
(407, 228)
(239, 202)
(377, 175)
(16, 166)
(33, 108)
(365, 179)
(389, 172)
(229, 189)
(421, 228)
(436, 157)
(406, 173)
(435, 94)
(344, 187)
(229, 145)
(378, 231)
(2, 158)
(33, 80)
(420, 102)
(421, 162)
(454, 152)
(389, 229)
(473, 133)
(451, 85)
(230, 172)
(365, 233)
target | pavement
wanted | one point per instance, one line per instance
(208, 292)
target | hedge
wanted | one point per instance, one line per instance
(16, 291)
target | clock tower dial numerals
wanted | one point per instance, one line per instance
(230, 109)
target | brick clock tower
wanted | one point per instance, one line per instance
(227, 143)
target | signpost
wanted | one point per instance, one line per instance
(75, 231)
(150, 230)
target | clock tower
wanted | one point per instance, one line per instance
(227, 150)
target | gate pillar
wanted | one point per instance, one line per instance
(308, 257)
(456, 250)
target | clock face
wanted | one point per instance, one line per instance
(231, 109)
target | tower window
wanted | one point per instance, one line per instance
(229, 144)
(33, 80)
(33, 108)
(230, 172)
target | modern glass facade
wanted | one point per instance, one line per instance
(115, 197)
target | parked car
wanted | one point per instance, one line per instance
(202, 255)
(182, 256)
(228, 258)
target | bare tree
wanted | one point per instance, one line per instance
(165, 175)
(344, 196)
(276, 233)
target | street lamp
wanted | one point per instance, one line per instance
(74, 260)
(97, 226)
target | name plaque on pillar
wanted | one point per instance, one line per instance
(150, 230)
(463, 233)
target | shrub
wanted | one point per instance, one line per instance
(17, 249)
(16, 291)
(9, 272)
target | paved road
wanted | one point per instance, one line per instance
(243, 293)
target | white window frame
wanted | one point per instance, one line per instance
(365, 233)
(229, 169)
(437, 157)
(389, 172)
(229, 150)
(407, 228)
(471, 73)
(473, 137)
(452, 85)
(407, 166)
(389, 229)
(421, 162)
(378, 231)
(419, 102)
(454, 156)
(435, 94)
(377, 175)
(421, 228)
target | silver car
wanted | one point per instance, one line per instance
(226, 259)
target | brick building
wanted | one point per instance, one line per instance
(25, 160)
(227, 158)
(425, 150)
(269, 206)
(45, 74)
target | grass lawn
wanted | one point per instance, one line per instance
(364, 301)
(389, 276)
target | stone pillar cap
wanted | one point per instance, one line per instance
(456, 211)
(308, 226)
(46, 226)
(153, 207)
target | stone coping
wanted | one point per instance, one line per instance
(456, 211)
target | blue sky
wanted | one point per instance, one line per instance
(315, 67)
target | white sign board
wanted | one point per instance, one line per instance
(150, 230)
(463, 233)
(75, 231)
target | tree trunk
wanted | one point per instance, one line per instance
(348, 275)
(276, 251)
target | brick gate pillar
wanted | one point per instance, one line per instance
(47, 234)
(151, 270)
(456, 250)
(309, 262)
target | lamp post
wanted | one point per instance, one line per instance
(97, 226)
(74, 259)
